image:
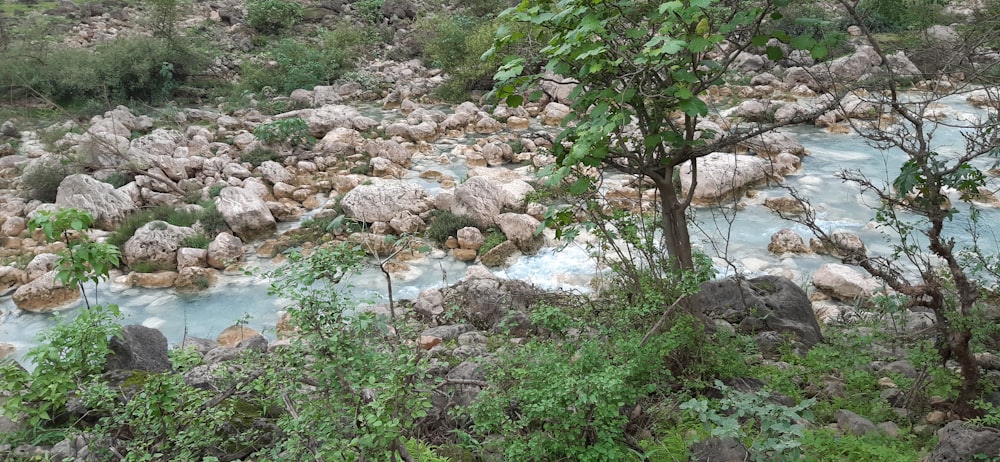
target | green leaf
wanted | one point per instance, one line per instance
(774, 53)
(580, 186)
(515, 100)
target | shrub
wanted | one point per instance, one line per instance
(455, 44)
(273, 16)
(292, 132)
(297, 64)
(197, 241)
(138, 219)
(445, 224)
(257, 156)
(211, 219)
(494, 238)
(370, 11)
(43, 178)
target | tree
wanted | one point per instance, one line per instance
(923, 206)
(641, 70)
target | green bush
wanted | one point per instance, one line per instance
(273, 16)
(197, 241)
(370, 11)
(42, 178)
(297, 64)
(494, 238)
(455, 44)
(444, 224)
(291, 132)
(138, 219)
(118, 70)
(258, 156)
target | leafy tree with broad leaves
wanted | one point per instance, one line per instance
(641, 70)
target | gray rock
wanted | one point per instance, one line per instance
(225, 250)
(960, 442)
(719, 449)
(481, 199)
(778, 303)
(155, 244)
(449, 332)
(108, 206)
(246, 213)
(139, 348)
(854, 424)
(384, 200)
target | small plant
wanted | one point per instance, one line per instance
(445, 224)
(43, 178)
(258, 156)
(494, 238)
(215, 190)
(197, 241)
(273, 16)
(370, 10)
(770, 430)
(291, 132)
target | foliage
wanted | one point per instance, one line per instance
(823, 444)
(292, 132)
(70, 354)
(899, 15)
(636, 61)
(165, 16)
(66, 360)
(120, 69)
(136, 220)
(493, 238)
(770, 430)
(197, 241)
(455, 43)
(358, 367)
(273, 17)
(42, 178)
(258, 156)
(291, 64)
(84, 260)
(444, 224)
(370, 11)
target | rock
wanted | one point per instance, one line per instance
(154, 245)
(273, 172)
(235, 334)
(225, 250)
(481, 199)
(844, 283)
(194, 279)
(770, 144)
(388, 149)
(108, 206)
(467, 371)
(384, 200)
(191, 257)
(448, 332)
(6, 349)
(842, 244)
(554, 113)
(722, 176)
(775, 303)
(139, 348)
(11, 277)
(156, 280)
(500, 255)
(853, 424)
(246, 213)
(398, 10)
(787, 240)
(470, 238)
(429, 304)
(958, 441)
(719, 449)
(521, 230)
(557, 87)
(13, 227)
(45, 294)
(786, 205)
(41, 264)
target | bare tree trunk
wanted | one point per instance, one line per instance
(674, 224)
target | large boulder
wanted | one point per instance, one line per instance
(138, 348)
(246, 213)
(224, 250)
(521, 230)
(844, 283)
(384, 200)
(481, 199)
(154, 245)
(959, 441)
(766, 303)
(108, 205)
(721, 176)
(45, 293)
